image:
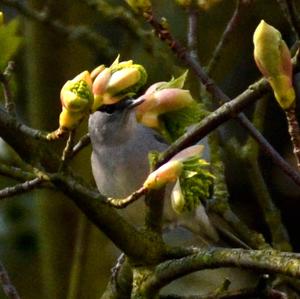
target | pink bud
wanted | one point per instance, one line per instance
(101, 81)
(160, 102)
(168, 172)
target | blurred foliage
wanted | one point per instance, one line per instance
(10, 41)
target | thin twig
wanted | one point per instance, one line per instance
(192, 31)
(67, 150)
(15, 172)
(294, 131)
(8, 97)
(7, 286)
(117, 267)
(231, 26)
(289, 10)
(20, 188)
(121, 203)
(93, 39)
(81, 144)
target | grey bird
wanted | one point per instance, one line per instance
(120, 149)
(120, 158)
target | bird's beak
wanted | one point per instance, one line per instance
(131, 103)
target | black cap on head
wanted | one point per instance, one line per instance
(119, 106)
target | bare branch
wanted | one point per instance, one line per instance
(8, 97)
(16, 173)
(121, 203)
(291, 14)
(231, 26)
(193, 31)
(7, 286)
(294, 130)
(67, 150)
(81, 144)
(131, 241)
(20, 188)
(217, 93)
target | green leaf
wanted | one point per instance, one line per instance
(176, 122)
(9, 41)
(174, 82)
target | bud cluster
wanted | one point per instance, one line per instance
(114, 83)
(161, 98)
(193, 180)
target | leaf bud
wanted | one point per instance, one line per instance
(76, 95)
(177, 198)
(273, 59)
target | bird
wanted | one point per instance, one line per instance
(120, 148)
(119, 160)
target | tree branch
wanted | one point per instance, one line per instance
(289, 10)
(16, 173)
(4, 78)
(8, 288)
(269, 261)
(21, 188)
(81, 144)
(121, 203)
(233, 23)
(135, 244)
(217, 93)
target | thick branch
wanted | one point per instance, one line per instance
(260, 260)
(135, 244)
(27, 142)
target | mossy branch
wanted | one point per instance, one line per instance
(267, 261)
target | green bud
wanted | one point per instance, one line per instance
(273, 59)
(76, 95)
(69, 120)
(120, 80)
(126, 79)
